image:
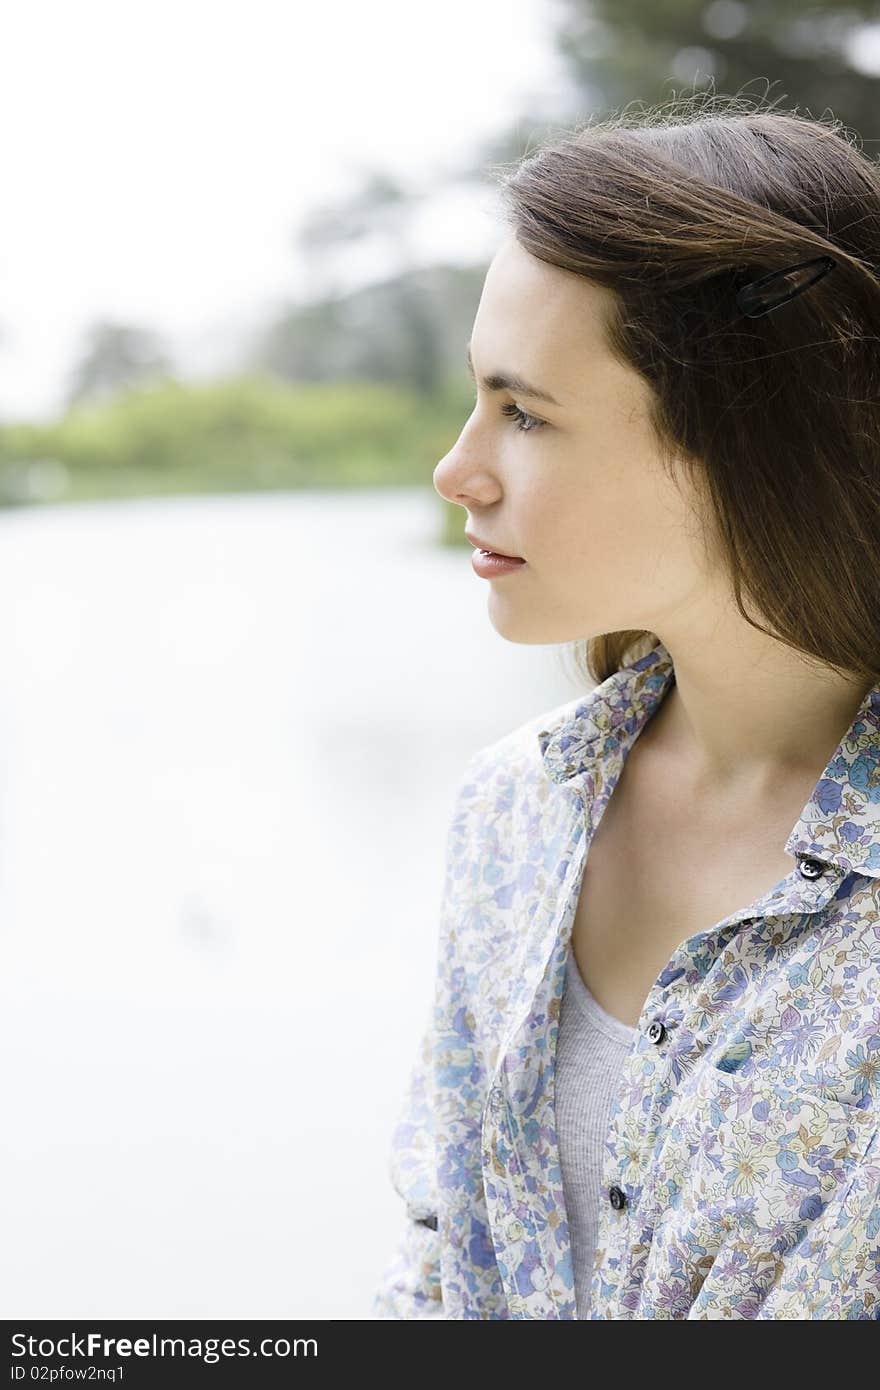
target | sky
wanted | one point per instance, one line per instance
(157, 159)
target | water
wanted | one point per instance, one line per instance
(230, 733)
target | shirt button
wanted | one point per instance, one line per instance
(657, 1031)
(811, 868)
(617, 1197)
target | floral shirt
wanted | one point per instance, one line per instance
(742, 1164)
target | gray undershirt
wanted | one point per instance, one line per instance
(591, 1049)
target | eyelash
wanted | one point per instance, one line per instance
(519, 416)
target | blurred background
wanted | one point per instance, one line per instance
(244, 655)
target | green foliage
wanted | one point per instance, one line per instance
(245, 433)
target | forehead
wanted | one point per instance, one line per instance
(539, 320)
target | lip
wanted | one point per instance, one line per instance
(484, 545)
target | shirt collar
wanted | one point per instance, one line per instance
(840, 823)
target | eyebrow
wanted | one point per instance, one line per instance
(506, 381)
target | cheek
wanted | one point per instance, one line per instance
(603, 520)
(614, 533)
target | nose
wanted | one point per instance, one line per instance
(444, 475)
(458, 477)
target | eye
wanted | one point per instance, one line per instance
(524, 422)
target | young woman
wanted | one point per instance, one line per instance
(650, 1083)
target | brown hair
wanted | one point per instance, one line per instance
(776, 418)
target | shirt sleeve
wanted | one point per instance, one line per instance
(410, 1286)
(410, 1283)
(832, 1273)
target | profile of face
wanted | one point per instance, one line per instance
(576, 487)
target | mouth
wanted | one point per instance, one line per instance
(486, 550)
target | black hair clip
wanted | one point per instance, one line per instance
(756, 298)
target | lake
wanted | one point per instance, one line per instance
(231, 729)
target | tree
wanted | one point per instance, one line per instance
(821, 61)
(115, 356)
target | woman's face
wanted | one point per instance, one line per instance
(580, 492)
